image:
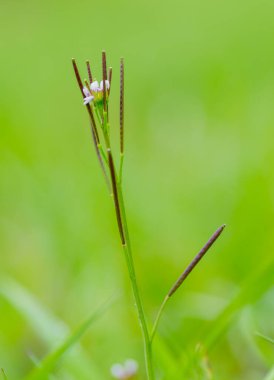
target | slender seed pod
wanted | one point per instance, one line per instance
(122, 106)
(94, 131)
(196, 260)
(78, 78)
(89, 72)
(115, 197)
(104, 71)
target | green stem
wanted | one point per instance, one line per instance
(123, 227)
(103, 153)
(135, 288)
(154, 328)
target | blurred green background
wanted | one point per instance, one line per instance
(199, 122)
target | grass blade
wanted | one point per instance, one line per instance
(252, 289)
(3, 375)
(50, 361)
(269, 375)
(266, 338)
(50, 329)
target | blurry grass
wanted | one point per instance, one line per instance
(266, 338)
(199, 152)
(52, 330)
(252, 289)
(270, 375)
(50, 361)
(3, 375)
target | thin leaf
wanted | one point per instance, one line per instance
(50, 329)
(269, 375)
(253, 288)
(3, 375)
(266, 338)
(50, 361)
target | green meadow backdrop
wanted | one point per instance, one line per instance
(199, 119)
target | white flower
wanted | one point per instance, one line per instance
(124, 371)
(95, 92)
(95, 86)
(102, 85)
(117, 371)
(131, 367)
(88, 97)
(86, 91)
(88, 100)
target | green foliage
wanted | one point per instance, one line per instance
(51, 360)
(3, 375)
(266, 338)
(199, 116)
(270, 375)
(52, 330)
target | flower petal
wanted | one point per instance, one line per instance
(88, 99)
(86, 91)
(117, 371)
(131, 367)
(106, 83)
(95, 86)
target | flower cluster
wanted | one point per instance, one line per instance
(124, 371)
(95, 92)
(95, 95)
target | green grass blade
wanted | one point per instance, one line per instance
(50, 361)
(44, 323)
(266, 338)
(50, 329)
(3, 375)
(253, 288)
(270, 375)
(165, 358)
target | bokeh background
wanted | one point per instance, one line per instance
(199, 122)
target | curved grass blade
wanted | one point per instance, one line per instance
(266, 338)
(50, 361)
(43, 322)
(269, 375)
(3, 375)
(252, 289)
(51, 330)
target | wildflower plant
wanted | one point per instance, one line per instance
(124, 371)
(96, 100)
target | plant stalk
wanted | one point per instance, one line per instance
(125, 240)
(135, 289)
